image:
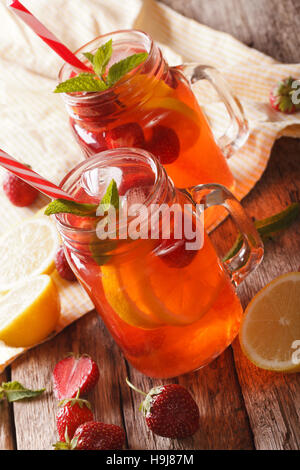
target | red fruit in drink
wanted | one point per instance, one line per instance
(173, 251)
(136, 180)
(170, 411)
(164, 144)
(18, 191)
(70, 415)
(127, 135)
(62, 266)
(73, 373)
(281, 96)
(95, 435)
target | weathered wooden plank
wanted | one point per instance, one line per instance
(35, 420)
(7, 440)
(217, 393)
(270, 26)
(273, 400)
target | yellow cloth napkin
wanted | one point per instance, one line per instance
(34, 124)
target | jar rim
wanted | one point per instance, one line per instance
(107, 158)
(67, 67)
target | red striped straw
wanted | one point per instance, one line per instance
(32, 178)
(46, 35)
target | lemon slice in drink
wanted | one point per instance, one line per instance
(117, 294)
(27, 250)
(270, 331)
(30, 312)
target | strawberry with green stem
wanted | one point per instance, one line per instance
(71, 414)
(94, 435)
(170, 411)
(283, 96)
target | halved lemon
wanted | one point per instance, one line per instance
(26, 251)
(270, 331)
(30, 312)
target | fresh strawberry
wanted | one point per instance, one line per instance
(126, 135)
(62, 266)
(71, 414)
(18, 192)
(281, 96)
(164, 144)
(73, 373)
(95, 435)
(170, 411)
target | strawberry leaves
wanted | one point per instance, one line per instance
(101, 80)
(14, 391)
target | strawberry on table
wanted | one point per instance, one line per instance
(127, 135)
(62, 266)
(95, 435)
(170, 411)
(164, 144)
(281, 96)
(71, 414)
(18, 191)
(73, 373)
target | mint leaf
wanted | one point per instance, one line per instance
(111, 197)
(14, 391)
(119, 69)
(89, 56)
(102, 57)
(59, 206)
(82, 82)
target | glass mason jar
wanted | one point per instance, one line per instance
(170, 307)
(154, 108)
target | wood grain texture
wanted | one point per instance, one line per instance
(217, 393)
(7, 440)
(271, 26)
(240, 405)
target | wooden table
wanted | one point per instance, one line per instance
(241, 406)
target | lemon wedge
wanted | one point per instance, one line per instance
(26, 251)
(30, 312)
(270, 331)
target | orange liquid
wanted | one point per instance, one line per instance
(194, 157)
(167, 320)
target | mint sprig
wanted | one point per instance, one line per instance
(110, 198)
(102, 79)
(14, 391)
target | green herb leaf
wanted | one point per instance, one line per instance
(269, 227)
(82, 82)
(111, 197)
(14, 391)
(102, 57)
(119, 69)
(89, 56)
(59, 206)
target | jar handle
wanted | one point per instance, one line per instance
(238, 130)
(251, 251)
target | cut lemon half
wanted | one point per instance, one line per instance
(270, 331)
(26, 251)
(30, 312)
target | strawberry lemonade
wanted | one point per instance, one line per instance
(152, 107)
(171, 309)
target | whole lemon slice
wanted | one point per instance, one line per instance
(30, 312)
(270, 331)
(27, 250)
